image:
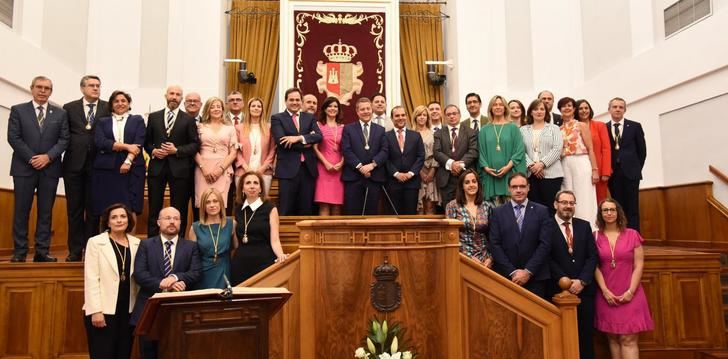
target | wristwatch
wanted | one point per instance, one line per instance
(127, 162)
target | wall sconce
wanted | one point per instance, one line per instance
(433, 77)
(243, 75)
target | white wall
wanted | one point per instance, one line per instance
(134, 45)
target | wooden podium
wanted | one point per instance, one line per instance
(201, 324)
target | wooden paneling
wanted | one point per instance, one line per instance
(685, 215)
(59, 228)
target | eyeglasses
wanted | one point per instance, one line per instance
(518, 186)
(170, 219)
(607, 210)
(235, 100)
(566, 203)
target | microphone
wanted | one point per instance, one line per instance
(227, 293)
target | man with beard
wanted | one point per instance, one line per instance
(163, 263)
(310, 102)
(520, 238)
(547, 97)
(574, 255)
(171, 142)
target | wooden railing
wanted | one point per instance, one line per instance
(717, 173)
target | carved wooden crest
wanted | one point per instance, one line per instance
(386, 292)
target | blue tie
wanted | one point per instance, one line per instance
(519, 215)
(90, 116)
(167, 258)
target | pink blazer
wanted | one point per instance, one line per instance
(266, 158)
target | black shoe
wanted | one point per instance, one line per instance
(74, 258)
(18, 258)
(44, 258)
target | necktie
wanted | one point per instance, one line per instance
(237, 120)
(519, 215)
(167, 258)
(295, 122)
(475, 125)
(454, 136)
(400, 139)
(617, 136)
(41, 116)
(90, 115)
(366, 133)
(569, 237)
(170, 122)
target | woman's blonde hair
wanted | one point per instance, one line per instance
(203, 208)
(264, 121)
(206, 110)
(416, 113)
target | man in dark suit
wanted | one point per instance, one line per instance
(574, 255)
(520, 238)
(171, 142)
(193, 105)
(166, 262)
(547, 97)
(82, 117)
(476, 120)
(455, 149)
(629, 152)
(406, 158)
(295, 132)
(365, 151)
(38, 134)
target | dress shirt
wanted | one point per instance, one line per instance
(118, 125)
(174, 249)
(85, 107)
(303, 139)
(174, 117)
(255, 205)
(621, 128)
(404, 134)
(45, 109)
(560, 222)
(369, 130)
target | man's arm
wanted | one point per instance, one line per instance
(190, 148)
(495, 243)
(15, 136)
(63, 137)
(590, 262)
(142, 275)
(541, 254)
(194, 272)
(641, 145)
(471, 156)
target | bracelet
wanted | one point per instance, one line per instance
(630, 292)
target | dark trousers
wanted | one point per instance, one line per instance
(627, 192)
(295, 195)
(179, 197)
(195, 209)
(82, 224)
(403, 199)
(231, 197)
(537, 287)
(447, 193)
(361, 197)
(114, 341)
(25, 187)
(544, 190)
(585, 323)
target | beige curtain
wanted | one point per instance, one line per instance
(254, 38)
(420, 40)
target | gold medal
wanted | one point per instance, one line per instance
(497, 147)
(366, 147)
(88, 126)
(245, 238)
(214, 259)
(613, 264)
(122, 277)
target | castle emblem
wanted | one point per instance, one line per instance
(339, 77)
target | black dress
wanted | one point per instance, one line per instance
(256, 255)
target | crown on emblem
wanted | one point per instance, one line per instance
(340, 52)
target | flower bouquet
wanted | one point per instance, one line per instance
(382, 343)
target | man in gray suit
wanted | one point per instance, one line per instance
(38, 134)
(455, 149)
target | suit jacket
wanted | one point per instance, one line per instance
(556, 119)
(289, 159)
(527, 248)
(632, 151)
(466, 151)
(352, 147)
(410, 160)
(582, 263)
(28, 139)
(81, 144)
(107, 158)
(551, 143)
(101, 275)
(267, 155)
(149, 269)
(183, 135)
(484, 120)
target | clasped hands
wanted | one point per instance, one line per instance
(168, 148)
(288, 141)
(40, 162)
(367, 169)
(171, 284)
(403, 177)
(520, 277)
(612, 299)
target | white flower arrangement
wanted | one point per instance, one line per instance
(382, 343)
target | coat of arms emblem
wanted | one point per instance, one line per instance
(339, 76)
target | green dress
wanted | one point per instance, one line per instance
(511, 148)
(213, 271)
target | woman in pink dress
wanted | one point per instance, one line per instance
(218, 148)
(329, 188)
(621, 309)
(257, 148)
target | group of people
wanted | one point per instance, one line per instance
(530, 162)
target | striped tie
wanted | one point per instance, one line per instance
(169, 123)
(167, 258)
(519, 215)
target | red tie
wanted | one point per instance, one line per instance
(295, 122)
(454, 140)
(237, 120)
(569, 237)
(400, 139)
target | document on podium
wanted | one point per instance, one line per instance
(217, 291)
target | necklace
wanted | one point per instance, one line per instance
(497, 136)
(122, 275)
(246, 221)
(473, 215)
(612, 248)
(334, 130)
(215, 241)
